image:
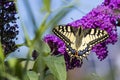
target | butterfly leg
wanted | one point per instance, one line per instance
(86, 58)
(52, 51)
(87, 53)
(71, 57)
(80, 58)
(58, 55)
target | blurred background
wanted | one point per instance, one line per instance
(32, 14)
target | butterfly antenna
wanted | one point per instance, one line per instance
(86, 58)
(51, 53)
(71, 59)
(72, 19)
(58, 55)
(80, 58)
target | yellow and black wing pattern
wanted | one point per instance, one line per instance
(79, 41)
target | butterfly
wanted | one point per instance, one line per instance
(79, 41)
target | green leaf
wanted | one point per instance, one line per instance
(50, 77)
(42, 47)
(47, 5)
(61, 13)
(42, 28)
(27, 38)
(39, 66)
(8, 76)
(32, 75)
(1, 54)
(18, 70)
(12, 63)
(14, 67)
(2, 66)
(44, 25)
(29, 66)
(56, 66)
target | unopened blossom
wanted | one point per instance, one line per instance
(8, 26)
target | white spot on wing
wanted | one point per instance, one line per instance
(69, 30)
(92, 31)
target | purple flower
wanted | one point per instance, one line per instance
(114, 4)
(103, 17)
(101, 50)
(8, 26)
(58, 47)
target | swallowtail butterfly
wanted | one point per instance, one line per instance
(80, 41)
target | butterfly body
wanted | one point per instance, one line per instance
(80, 41)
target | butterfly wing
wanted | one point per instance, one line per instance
(66, 33)
(91, 37)
(95, 36)
(80, 41)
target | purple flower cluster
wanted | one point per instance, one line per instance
(103, 17)
(8, 26)
(58, 47)
(114, 4)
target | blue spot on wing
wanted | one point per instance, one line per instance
(80, 53)
(71, 50)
